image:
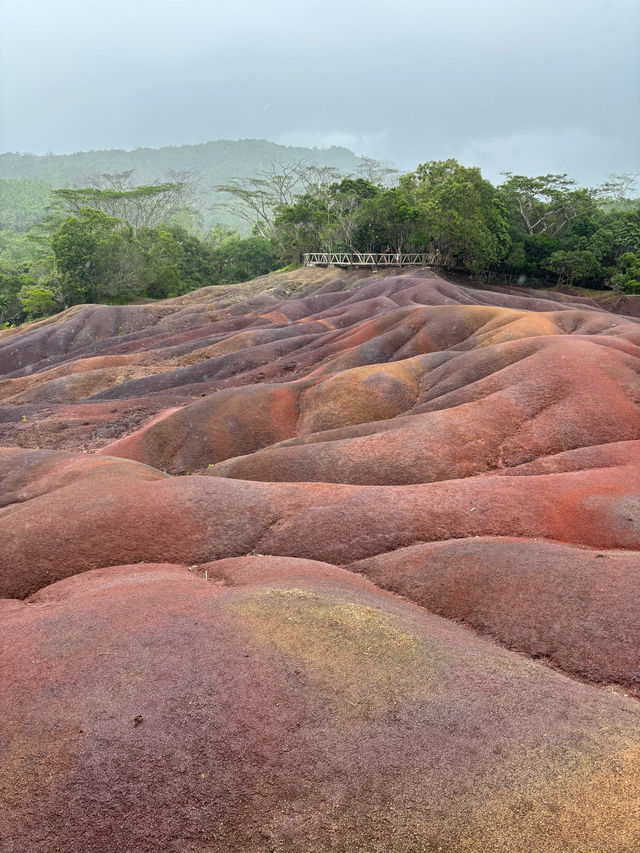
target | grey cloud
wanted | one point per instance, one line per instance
(551, 86)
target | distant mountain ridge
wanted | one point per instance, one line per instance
(218, 160)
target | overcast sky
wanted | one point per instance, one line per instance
(530, 87)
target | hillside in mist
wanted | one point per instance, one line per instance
(211, 164)
(214, 161)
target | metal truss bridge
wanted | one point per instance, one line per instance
(368, 259)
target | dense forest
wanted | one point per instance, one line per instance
(120, 239)
(536, 229)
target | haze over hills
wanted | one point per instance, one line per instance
(211, 163)
(216, 161)
(326, 560)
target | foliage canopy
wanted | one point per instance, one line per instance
(118, 242)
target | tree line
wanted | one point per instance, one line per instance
(537, 229)
(541, 228)
(117, 244)
(120, 242)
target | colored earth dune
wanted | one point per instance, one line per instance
(327, 561)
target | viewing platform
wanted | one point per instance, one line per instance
(368, 259)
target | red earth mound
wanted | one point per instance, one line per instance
(143, 359)
(90, 512)
(221, 661)
(574, 606)
(298, 708)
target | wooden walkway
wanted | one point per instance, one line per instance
(367, 259)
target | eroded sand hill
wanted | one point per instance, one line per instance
(324, 561)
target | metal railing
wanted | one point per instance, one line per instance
(368, 259)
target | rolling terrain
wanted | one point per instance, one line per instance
(326, 561)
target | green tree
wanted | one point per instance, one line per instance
(161, 258)
(97, 257)
(196, 266)
(239, 259)
(460, 214)
(546, 204)
(11, 281)
(174, 261)
(258, 200)
(628, 278)
(625, 227)
(392, 218)
(141, 206)
(346, 220)
(573, 266)
(37, 300)
(299, 227)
